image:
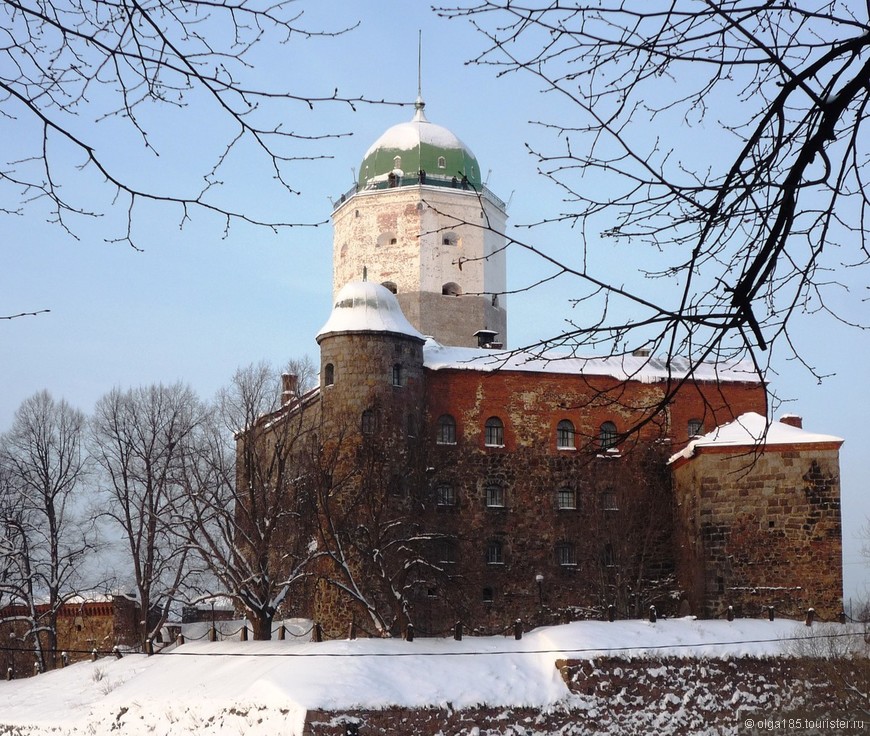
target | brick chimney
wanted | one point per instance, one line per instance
(792, 420)
(289, 386)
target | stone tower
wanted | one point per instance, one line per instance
(421, 222)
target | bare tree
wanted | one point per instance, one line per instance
(369, 500)
(246, 508)
(725, 135)
(45, 539)
(140, 438)
(76, 77)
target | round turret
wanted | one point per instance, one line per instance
(407, 149)
(363, 306)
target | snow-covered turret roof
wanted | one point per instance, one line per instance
(419, 145)
(624, 367)
(753, 430)
(363, 306)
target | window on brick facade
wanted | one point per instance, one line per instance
(494, 552)
(445, 552)
(696, 427)
(607, 435)
(397, 374)
(609, 501)
(446, 430)
(494, 432)
(445, 495)
(565, 554)
(566, 498)
(329, 374)
(565, 435)
(487, 595)
(411, 424)
(368, 423)
(607, 556)
(494, 496)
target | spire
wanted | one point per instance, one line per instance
(419, 115)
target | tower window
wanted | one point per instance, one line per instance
(390, 286)
(696, 427)
(397, 162)
(494, 432)
(368, 422)
(329, 374)
(446, 430)
(449, 239)
(397, 374)
(442, 162)
(451, 289)
(607, 435)
(565, 435)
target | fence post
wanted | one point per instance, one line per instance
(611, 613)
(652, 614)
(770, 613)
(116, 651)
(318, 632)
(9, 673)
(149, 647)
(64, 659)
(842, 617)
(212, 633)
(457, 631)
(94, 654)
(282, 633)
(518, 629)
(730, 613)
(179, 640)
(351, 630)
(811, 614)
(36, 668)
(243, 634)
(409, 632)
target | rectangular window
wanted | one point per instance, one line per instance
(446, 495)
(494, 496)
(566, 498)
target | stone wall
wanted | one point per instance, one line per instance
(759, 529)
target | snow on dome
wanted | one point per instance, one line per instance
(752, 429)
(419, 145)
(363, 306)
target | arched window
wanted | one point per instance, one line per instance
(494, 432)
(696, 427)
(566, 498)
(390, 286)
(368, 422)
(442, 162)
(494, 496)
(329, 374)
(565, 554)
(397, 162)
(494, 552)
(607, 435)
(446, 430)
(397, 374)
(565, 435)
(451, 288)
(449, 239)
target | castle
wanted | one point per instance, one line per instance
(460, 480)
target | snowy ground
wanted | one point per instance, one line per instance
(255, 688)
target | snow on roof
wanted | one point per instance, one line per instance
(407, 136)
(363, 306)
(624, 367)
(753, 430)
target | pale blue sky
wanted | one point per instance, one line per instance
(195, 305)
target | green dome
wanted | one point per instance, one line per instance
(407, 148)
